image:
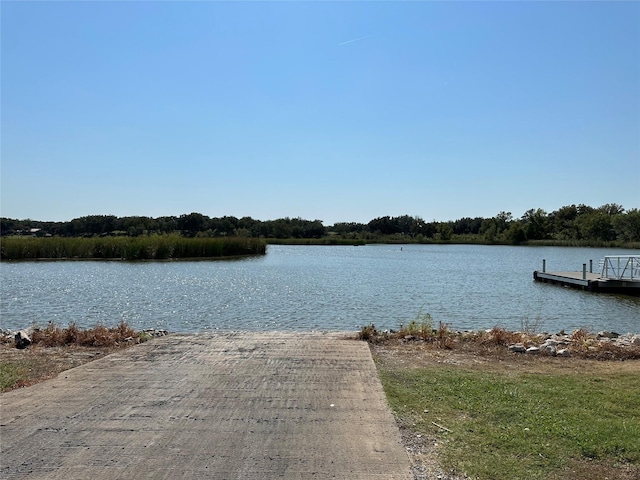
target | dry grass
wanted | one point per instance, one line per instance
(98, 336)
(500, 337)
(582, 344)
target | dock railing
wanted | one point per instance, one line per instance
(621, 267)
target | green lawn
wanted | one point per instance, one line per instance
(523, 425)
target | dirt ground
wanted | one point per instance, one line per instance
(47, 362)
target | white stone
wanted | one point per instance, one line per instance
(518, 348)
(550, 349)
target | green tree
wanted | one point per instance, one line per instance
(492, 229)
(536, 224)
(467, 226)
(250, 225)
(384, 226)
(444, 231)
(281, 228)
(192, 223)
(563, 222)
(166, 224)
(627, 226)
(516, 233)
(9, 226)
(611, 209)
(343, 228)
(405, 224)
(223, 227)
(595, 226)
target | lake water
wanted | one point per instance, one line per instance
(319, 288)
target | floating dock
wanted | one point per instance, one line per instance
(619, 274)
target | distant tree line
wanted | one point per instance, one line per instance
(571, 224)
(188, 225)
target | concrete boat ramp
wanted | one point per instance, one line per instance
(221, 406)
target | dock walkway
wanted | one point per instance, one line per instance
(620, 274)
(221, 406)
(569, 279)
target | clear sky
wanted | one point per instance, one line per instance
(338, 111)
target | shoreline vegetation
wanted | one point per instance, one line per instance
(150, 247)
(580, 343)
(164, 247)
(607, 226)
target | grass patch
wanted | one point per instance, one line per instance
(11, 373)
(505, 425)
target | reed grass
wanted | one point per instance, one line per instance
(152, 247)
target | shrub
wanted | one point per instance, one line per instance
(368, 333)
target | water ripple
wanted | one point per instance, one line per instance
(317, 288)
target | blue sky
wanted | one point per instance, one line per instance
(338, 111)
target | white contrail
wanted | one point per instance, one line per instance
(353, 40)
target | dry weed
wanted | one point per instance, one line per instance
(498, 336)
(98, 336)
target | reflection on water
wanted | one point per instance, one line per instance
(318, 288)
